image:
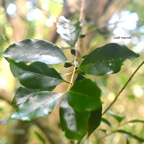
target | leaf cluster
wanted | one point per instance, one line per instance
(31, 62)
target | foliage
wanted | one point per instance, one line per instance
(33, 63)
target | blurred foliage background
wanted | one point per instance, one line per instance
(105, 20)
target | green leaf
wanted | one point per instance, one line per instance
(73, 123)
(22, 95)
(35, 50)
(107, 59)
(103, 130)
(135, 121)
(106, 121)
(69, 32)
(36, 75)
(139, 139)
(94, 120)
(34, 103)
(117, 117)
(40, 137)
(84, 95)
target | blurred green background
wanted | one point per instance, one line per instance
(105, 20)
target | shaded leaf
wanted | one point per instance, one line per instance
(117, 117)
(36, 75)
(139, 139)
(74, 124)
(40, 137)
(35, 50)
(103, 130)
(33, 104)
(69, 32)
(84, 95)
(107, 59)
(68, 64)
(135, 121)
(106, 121)
(94, 120)
(80, 77)
(127, 141)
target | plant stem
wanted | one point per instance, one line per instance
(77, 54)
(122, 89)
(82, 11)
(73, 74)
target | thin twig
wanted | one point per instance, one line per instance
(81, 18)
(123, 88)
(76, 56)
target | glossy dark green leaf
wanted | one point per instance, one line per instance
(36, 75)
(22, 95)
(107, 59)
(139, 139)
(69, 32)
(34, 103)
(35, 50)
(117, 117)
(94, 120)
(84, 95)
(104, 120)
(74, 124)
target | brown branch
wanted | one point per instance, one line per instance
(5, 96)
(122, 89)
(81, 17)
(21, 138)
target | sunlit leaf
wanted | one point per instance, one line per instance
(22, 95)
(33, 104)
(84, 95)
(35, 50)
(74, 124)
(69, 32)
(107, 59)
(139, 139)
(36, 75)
(117, 117)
